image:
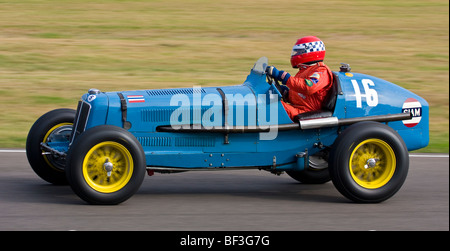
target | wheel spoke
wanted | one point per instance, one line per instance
(372, 163)
(107, 167)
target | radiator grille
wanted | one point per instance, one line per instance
(81, 117)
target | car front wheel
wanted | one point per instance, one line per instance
(105, 165)
(53, 127)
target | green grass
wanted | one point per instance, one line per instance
(52, 52)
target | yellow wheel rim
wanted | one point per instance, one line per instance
(107, 167)
(45, 140)
(372, 163)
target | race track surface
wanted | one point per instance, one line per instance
(225, 200)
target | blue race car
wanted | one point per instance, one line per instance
(359, 140)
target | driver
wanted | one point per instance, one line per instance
(308, 88)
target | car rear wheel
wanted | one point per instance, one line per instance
(105, 165)
(55, 127)
(369, 162)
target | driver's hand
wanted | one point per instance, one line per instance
(272, 71)
(279, 75)
(284, 90)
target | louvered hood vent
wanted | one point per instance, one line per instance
(169, 92)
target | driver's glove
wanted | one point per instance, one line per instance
(284, 90)
(282, 76)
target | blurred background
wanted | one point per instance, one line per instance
(52, 52)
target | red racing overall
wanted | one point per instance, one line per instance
(308, 88)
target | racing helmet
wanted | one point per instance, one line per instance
(307, 50)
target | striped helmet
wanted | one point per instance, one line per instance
(307, 50)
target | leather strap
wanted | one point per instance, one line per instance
(123, 106)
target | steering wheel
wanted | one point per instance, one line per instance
(276, 83)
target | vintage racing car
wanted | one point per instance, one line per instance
(359, 140)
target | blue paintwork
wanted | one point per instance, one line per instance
(209, 150)
(391, 98)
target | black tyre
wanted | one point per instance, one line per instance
(317, 171)
(369, 162)
(54, 126)
(105, 165)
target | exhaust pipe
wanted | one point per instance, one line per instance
(302, 124)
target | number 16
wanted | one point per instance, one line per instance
(371, 95)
